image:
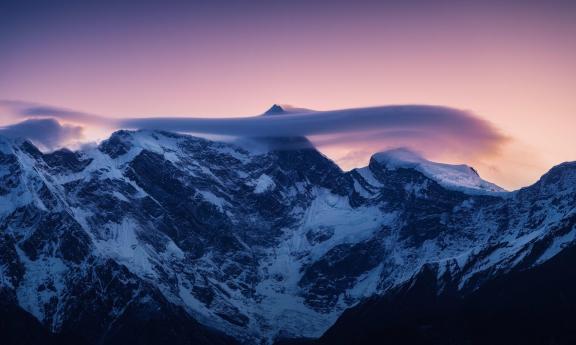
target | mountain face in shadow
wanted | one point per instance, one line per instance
(534, 306)
(154, 237)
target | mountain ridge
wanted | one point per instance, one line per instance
(256, 244)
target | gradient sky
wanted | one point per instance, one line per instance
(510, 62)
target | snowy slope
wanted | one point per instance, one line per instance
(458, 177)
(257, 243)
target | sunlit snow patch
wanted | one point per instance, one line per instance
(457, 177)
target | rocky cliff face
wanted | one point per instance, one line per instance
(196, 238)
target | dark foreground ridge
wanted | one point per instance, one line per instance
(535, 306)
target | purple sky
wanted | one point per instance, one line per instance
(509, 62)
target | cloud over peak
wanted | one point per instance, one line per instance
(432, 130)
(46, 133)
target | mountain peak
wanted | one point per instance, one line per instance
(399, 156)
(275, 109)
(454, 176)
(284, 109)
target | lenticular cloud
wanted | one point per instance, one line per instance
(422, 127)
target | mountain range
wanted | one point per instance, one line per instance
(154, 237)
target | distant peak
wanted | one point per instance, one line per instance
(275, 110)
(454, 176)
(283, 109)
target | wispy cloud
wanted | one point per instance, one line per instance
(428, 129)
(46, 133)
(22, 109)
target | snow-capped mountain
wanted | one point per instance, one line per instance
(456, 177)
(217, 242)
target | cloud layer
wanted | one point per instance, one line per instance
(356, 132)
(46, 133)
